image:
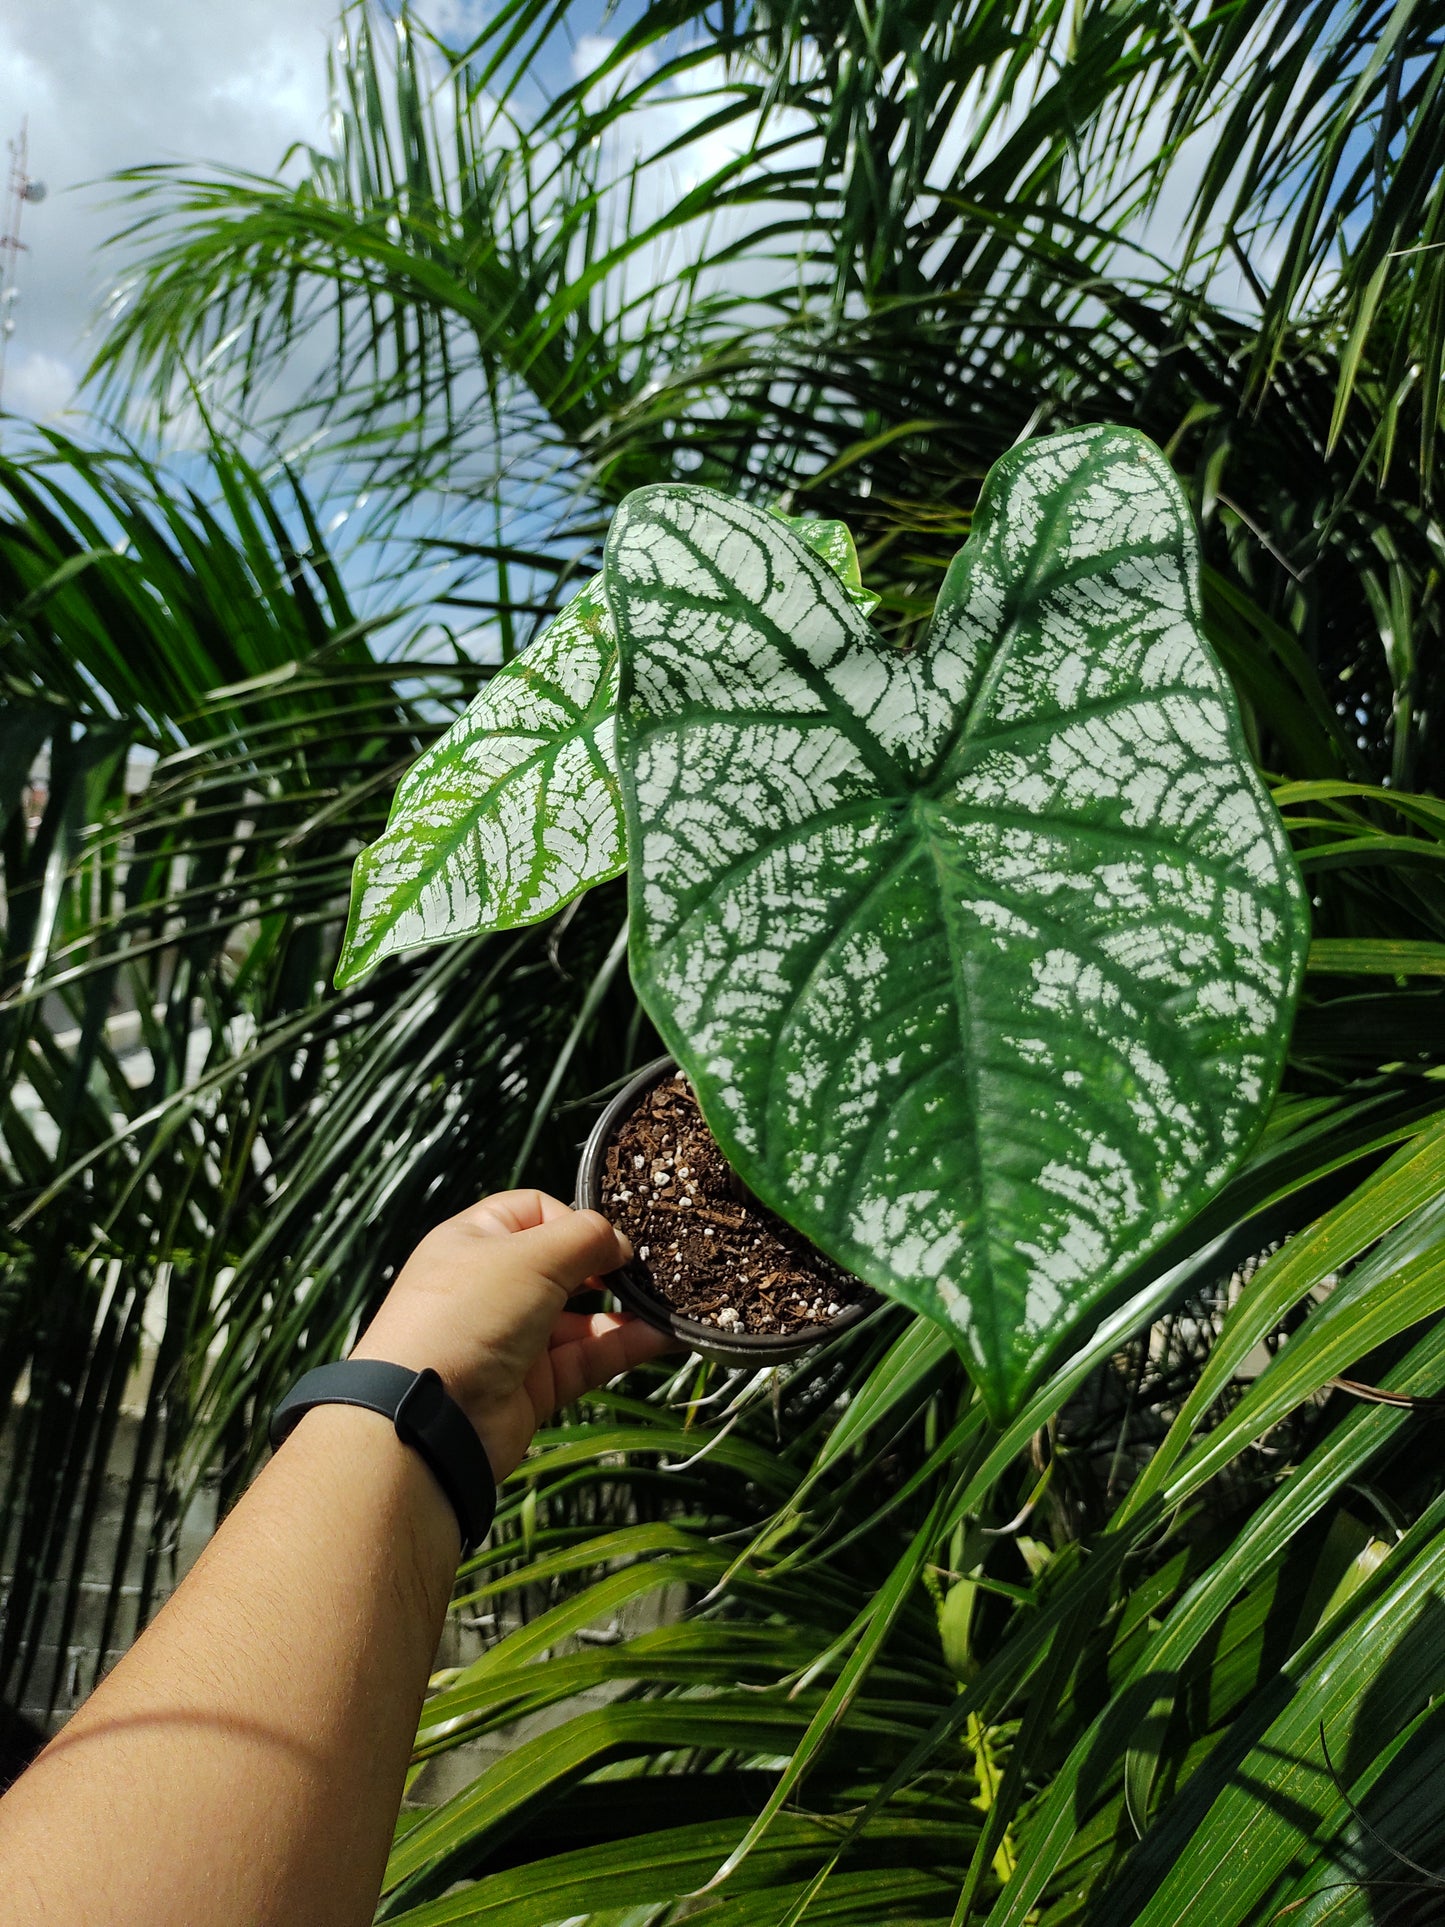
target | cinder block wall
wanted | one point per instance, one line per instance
(77, 1655)
(461, 1641)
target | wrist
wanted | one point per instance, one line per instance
(493, 1415)
(356, 1457)
(465, 1386)
(425, 1420)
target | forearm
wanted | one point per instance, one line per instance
(264, 1723)
(243, 1764)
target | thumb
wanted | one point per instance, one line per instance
(569, 1249)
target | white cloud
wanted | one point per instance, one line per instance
(108, 84)
(590, 51)
(39, 385)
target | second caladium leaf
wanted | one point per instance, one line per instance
(511, 813)
(982, 957)
(515, 810)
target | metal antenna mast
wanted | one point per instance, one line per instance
(20, 190)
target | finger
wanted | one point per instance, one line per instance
(506, 1212)
(572, 1249)
(569, 1326)
(584, 1364)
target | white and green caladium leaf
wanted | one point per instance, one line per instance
(515, 810)
(512, 812)
(983, 957)
(832, 542)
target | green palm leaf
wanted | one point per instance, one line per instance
(846, 258)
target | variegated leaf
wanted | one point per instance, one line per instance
(983, 957)
(508, 815)
(515, 810)
(832, 542)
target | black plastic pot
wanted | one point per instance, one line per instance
(632, 1290)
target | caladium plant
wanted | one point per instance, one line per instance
(981, 956)
(515, 810)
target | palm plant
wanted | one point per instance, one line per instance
(1167, 1645)
(174, 1193)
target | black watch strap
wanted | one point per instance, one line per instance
(426, 1418)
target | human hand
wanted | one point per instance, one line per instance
(482, 1301)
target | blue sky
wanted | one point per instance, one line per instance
(107, 84)
(111, 83)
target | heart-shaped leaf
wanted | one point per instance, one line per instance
(515, 810)
(982, 958)
(510, 813)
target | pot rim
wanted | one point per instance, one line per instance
(728, 1348)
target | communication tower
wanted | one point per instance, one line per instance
(22, 188)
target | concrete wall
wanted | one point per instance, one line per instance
(81, 1648)
(463, 1638)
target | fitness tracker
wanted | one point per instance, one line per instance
(426, 1418)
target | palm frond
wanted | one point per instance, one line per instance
(202, 733)
(1177, 1623)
